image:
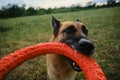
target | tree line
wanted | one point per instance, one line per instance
(14, 10)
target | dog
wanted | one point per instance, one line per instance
(74, 34)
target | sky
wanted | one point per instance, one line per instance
(47, 3)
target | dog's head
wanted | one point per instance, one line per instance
(73, 34)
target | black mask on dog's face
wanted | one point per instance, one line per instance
(81, 45)
(75, 37)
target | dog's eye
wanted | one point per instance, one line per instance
(85, 31)
(70, 30)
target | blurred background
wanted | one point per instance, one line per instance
(28, 22)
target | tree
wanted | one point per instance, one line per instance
(41, 11)
(111, 2)
(12, 11)
(49, 11)
(31, 11)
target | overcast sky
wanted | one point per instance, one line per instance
(47, 3)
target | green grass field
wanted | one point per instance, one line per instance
(104, 30)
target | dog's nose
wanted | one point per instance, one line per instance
(86, 46)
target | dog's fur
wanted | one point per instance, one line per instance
(57, 65)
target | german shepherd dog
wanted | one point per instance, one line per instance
(75, 35)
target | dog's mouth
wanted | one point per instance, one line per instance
(74, 65)
(81, 45)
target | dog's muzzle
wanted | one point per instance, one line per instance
(81, 45)
(85, 46)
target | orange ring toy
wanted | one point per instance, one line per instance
(88, 65)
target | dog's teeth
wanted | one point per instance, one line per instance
(73, 64)
(75, 50)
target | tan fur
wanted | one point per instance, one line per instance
(58, 67)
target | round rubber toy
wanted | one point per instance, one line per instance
(88, 65)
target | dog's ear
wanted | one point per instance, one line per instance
(78, 20)
(55, 25)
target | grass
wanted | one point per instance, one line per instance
(104, 30)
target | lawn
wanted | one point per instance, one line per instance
(104, 30)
